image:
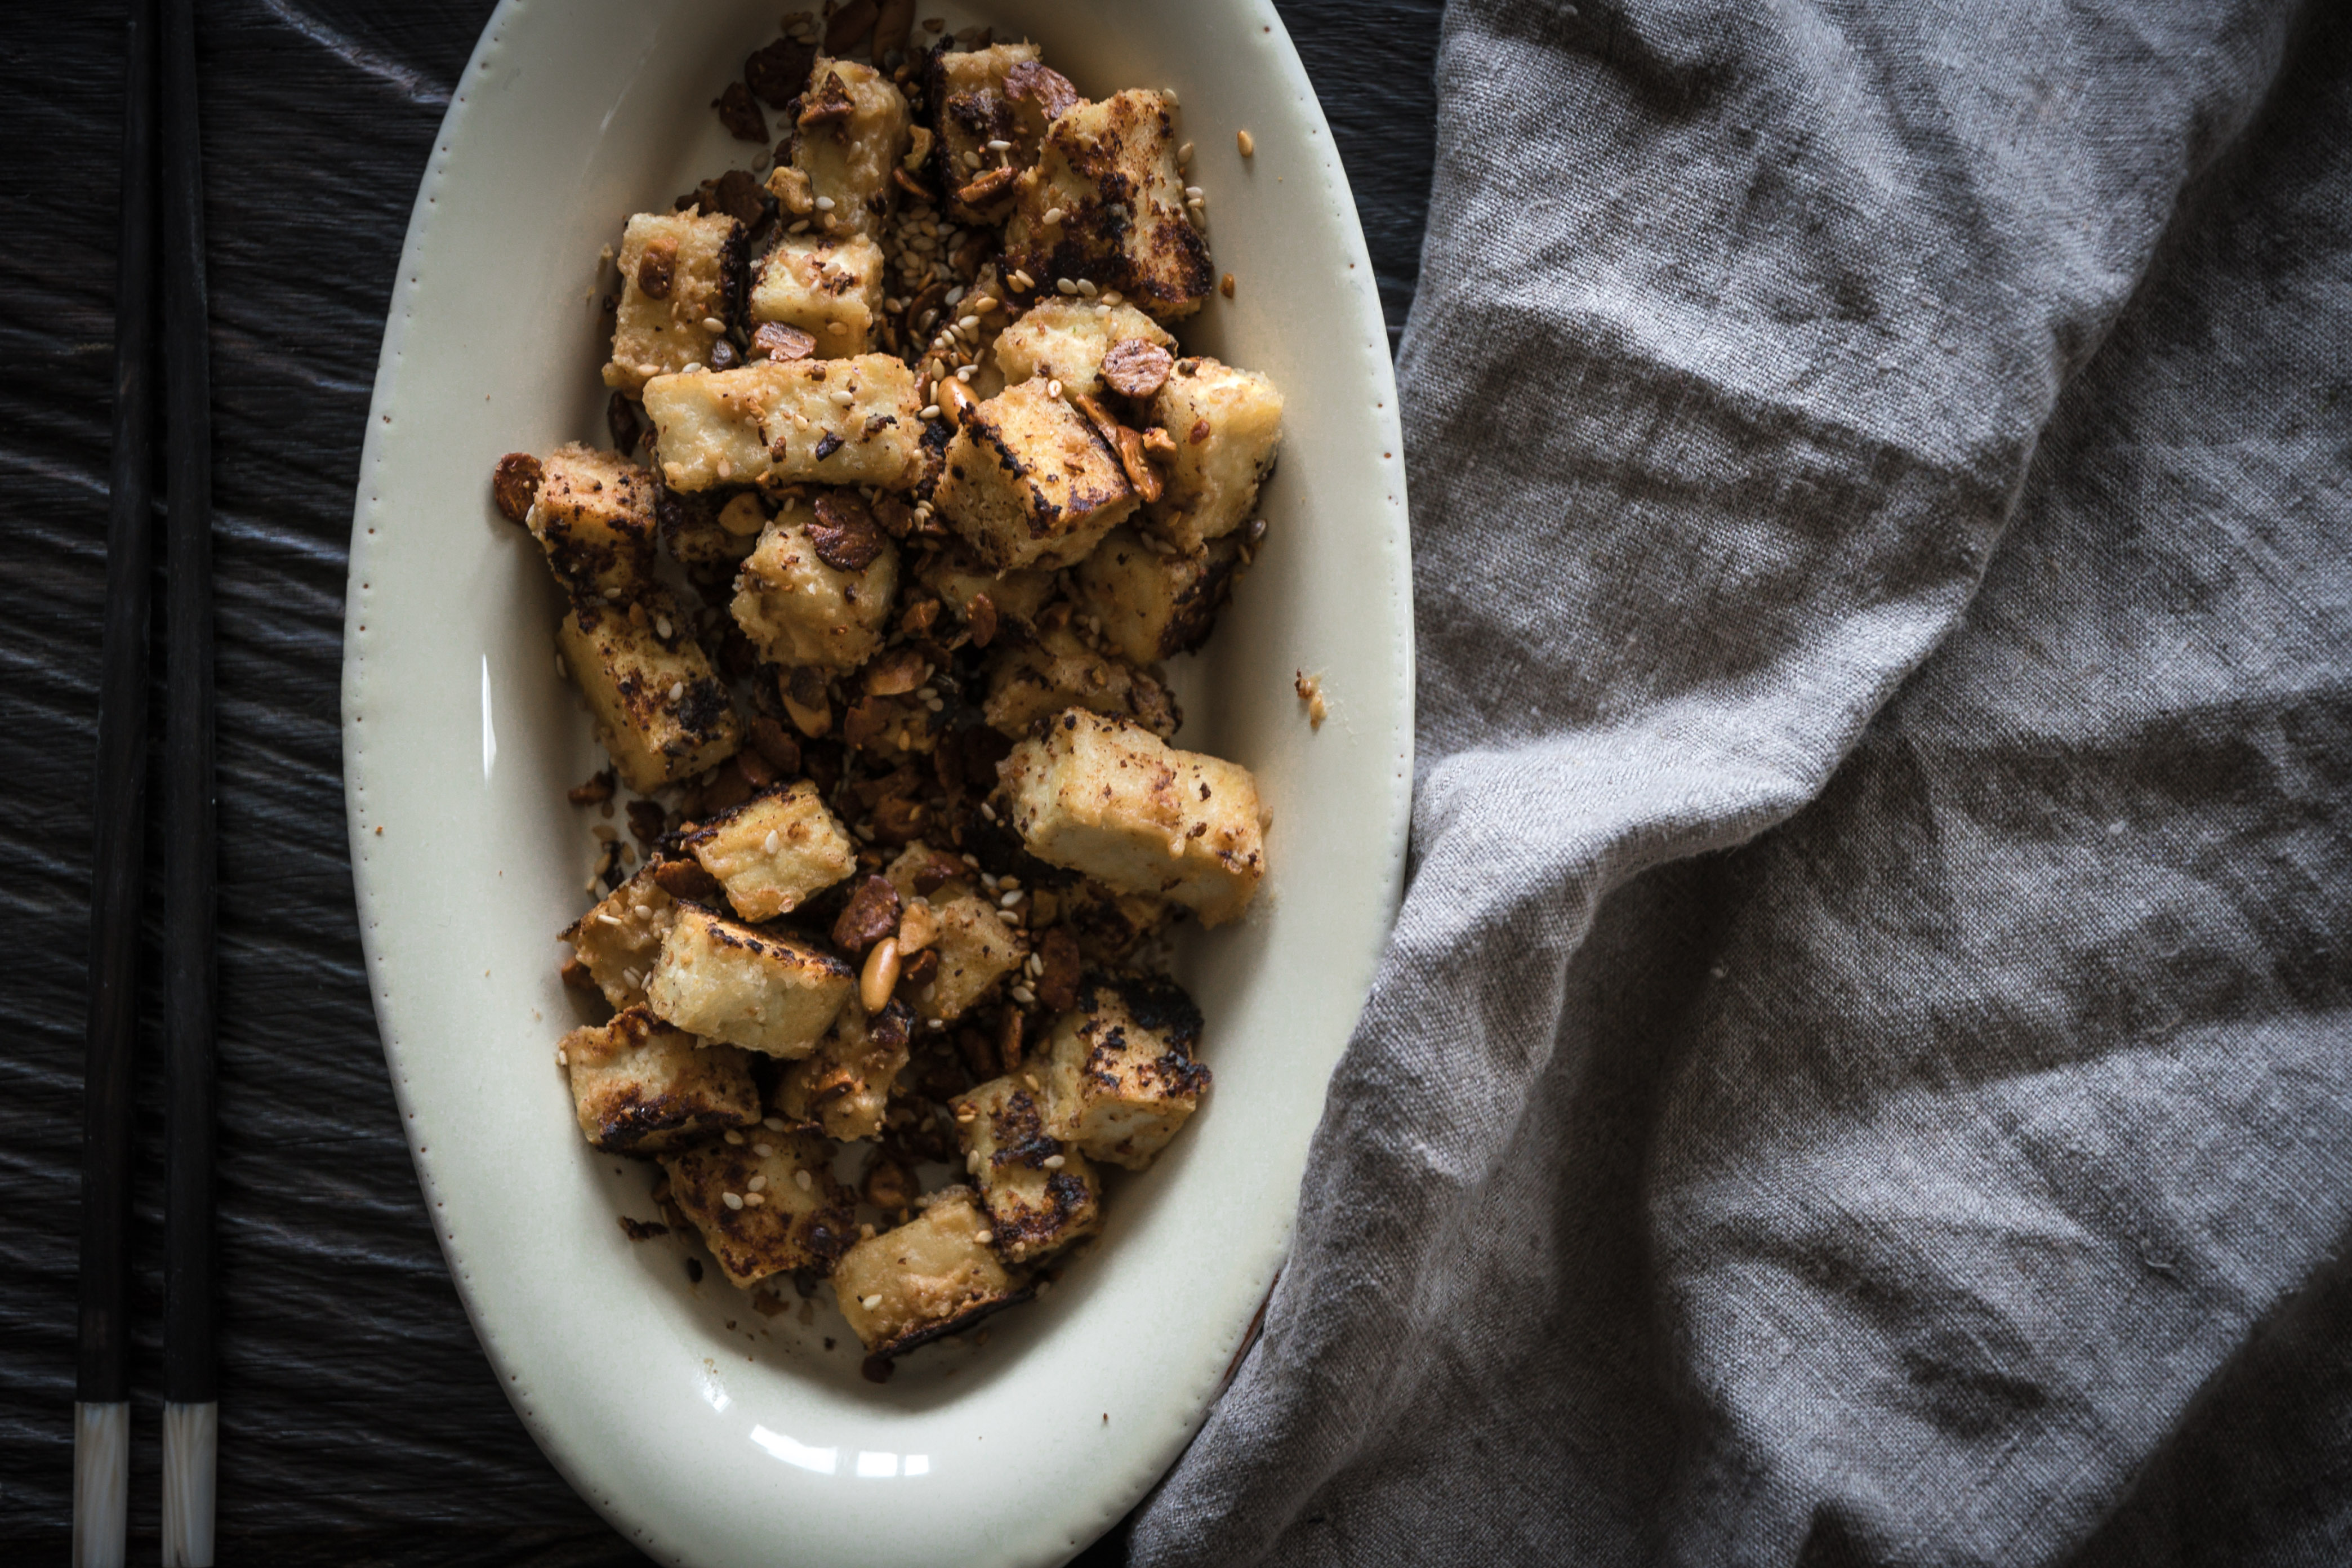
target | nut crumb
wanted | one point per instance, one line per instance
(1310, 691)
(1225, 285)
(1249, 147)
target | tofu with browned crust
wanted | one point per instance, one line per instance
(766, 1204)
(594, 515)
(620, 938)
(1226, 425)
(845, 1085)
(679, 275)
(724, 980)
(1118, 1070)
(1065, 339)
(1154, 604)
(1040, 1193)
(1036, 679)
(786, 422)
(829, 288)
(799, 609)
(661, 711)
(1029, 483)
(1108, 169)
(640, 1086)
(774, 850)
(1108, 797)
(935, 1275)
(853, 129)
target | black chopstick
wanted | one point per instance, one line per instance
(102, 1375)
(191, 1408)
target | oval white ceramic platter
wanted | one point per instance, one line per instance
(705, 1430)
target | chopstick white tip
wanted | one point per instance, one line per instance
(191, 1446)
(101, 1497)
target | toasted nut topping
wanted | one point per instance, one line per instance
(829, 100)
(987, 187)
(955, 401)
(514, 484)
(1247, 143)
(880, 976)
(849, 25)
(1225, 286)
(1136, 367)
(599, 787)
(658, 266)
(871, 914)
(1042, 85)
(896, 673)
(776, 341)
(845, 533)
(740, 114)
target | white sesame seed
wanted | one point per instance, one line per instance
(1063, 285)
(1009, 899)
(963, 372)
(801, 1180)
(998, 144)
(643, 912)
(677, 689)
(935, 1023)
(1193, 193)
(869, 1303)
(930, 411)
(1087, 287)
(713, 324)
(1053, 216)
(1008, 881)
(1022, 995)
(971, 1161)
(754, 1200)
(661, 628)
(562, 673)
(734, 1137)
(607, 917)
(1052, 1162)
(968, 323)
(983, 1236)
(843, 396)
(988, 811)
(563, 1057)
(756, 1182)
(774, 841)
(824, 204)
(772, 1123)
(732, 1200)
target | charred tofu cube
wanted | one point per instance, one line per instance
(1119, 1072)
(1065, 339)
(1034, 681)
(621, 936)
(977, 949)
(787, 422)
(830, 289)
(705, 537)
(594, 515)
(1226, 425)
(1013, 598)
(923, 872)
(1109, 798)
(766, 1204)
(724, 980)
(1152, 605)
(798, 608)
(1040, 1193)
(680, 273)
(1029, 483)
(772, 851)
(660, 709)
(854, 127)
(846, 1085)
(641, 1087)
(935, 1275)
(1108, 169)
(969, 89)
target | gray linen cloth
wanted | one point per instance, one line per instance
(1861, 1072)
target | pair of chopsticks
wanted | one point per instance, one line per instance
(162, 189)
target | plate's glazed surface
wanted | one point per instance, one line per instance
(708, 1430)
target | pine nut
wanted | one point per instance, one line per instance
(881, 975)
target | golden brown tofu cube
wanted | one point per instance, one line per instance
(765, 1204)
(977, 949)
(726, 981)
(787, 422)
(972, 109)
(621, 936)
(1118, 1071)
(854, 127)
(923, 872)
(1034, 681)
(660, 709)
(798, 609)
(935, 1275)
(1029, 483)
(1041, 1195)
(830, 289)
(1227, 427)
(1109, 798)
(1152, 605)
(640, 1086)
(772, 851)
(594, 515)
(958, 580)
(846, 1085)
(679, 273)
(1109, 170)
(1065, 339)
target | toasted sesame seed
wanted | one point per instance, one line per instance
(935, 1023)
(801, 1179)
(824, 204)
(1183, 154)
(1193, 193)
(870, 1302)
(963, 372)
(563, 1057)
(998, 144)
(1009, 899)
(930, 411)
(607, 917)
(1063, 285)
(1052, 1162)
(988, 811)
(643, 912)
(971, 1161)
(965, 1113)
(843, 396)
(1031, 1079)
(772, 1123)
(983, 1236)
(734, 1137)
(1087, 287)
(756, 1182)
(764, 1151)
(774, 842)
(968, 323)
(662, 628)
(800, 228)
(713, 324)
(1026, 998)
(1053, 216)
(732, 1200)
(754, 1200)
(838, 329)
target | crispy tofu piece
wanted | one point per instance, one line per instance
(1029, 483)
(775, 1222)
(1109, 925)
(594, 515)
(1034, 681)
(640, 1086)
(707, 538)
(680, 272)
(977, 949)
(661, 711)
(724, 980)
(855, 127)
(797, 609)
(1227, 427)
(830, 289)
(1118, 1070)
(1040, 1193)
(1108, 797)
(1065, 339)
(621, 936)
(1016, 596)
(923, 872)
(933, 1276)
(1109, 168)
(1153, 607)
(846, 1085)
(780, 422)
(775, 850)
(972, 109)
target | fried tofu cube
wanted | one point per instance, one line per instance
(1227, 427)
(1118, 1070)
(845, 1086)
(1034, 681)
(707, 538)
(772, 851)
(830, 289)
(1152, 605)
(678, 277)
(1109, 798)
(1065, 339)
(621, 936)
(957, 581)
(1029, 483)
(640, 1087)
(773, 1222)
(1040, 1193)
(786, 422)
(1108, 168)
(724, 980)
(972, 107)
(594, 515)
(923, 872)
(798, 609)
(854, 127)
(661, 711)
(977, 949)
(933, 1276)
